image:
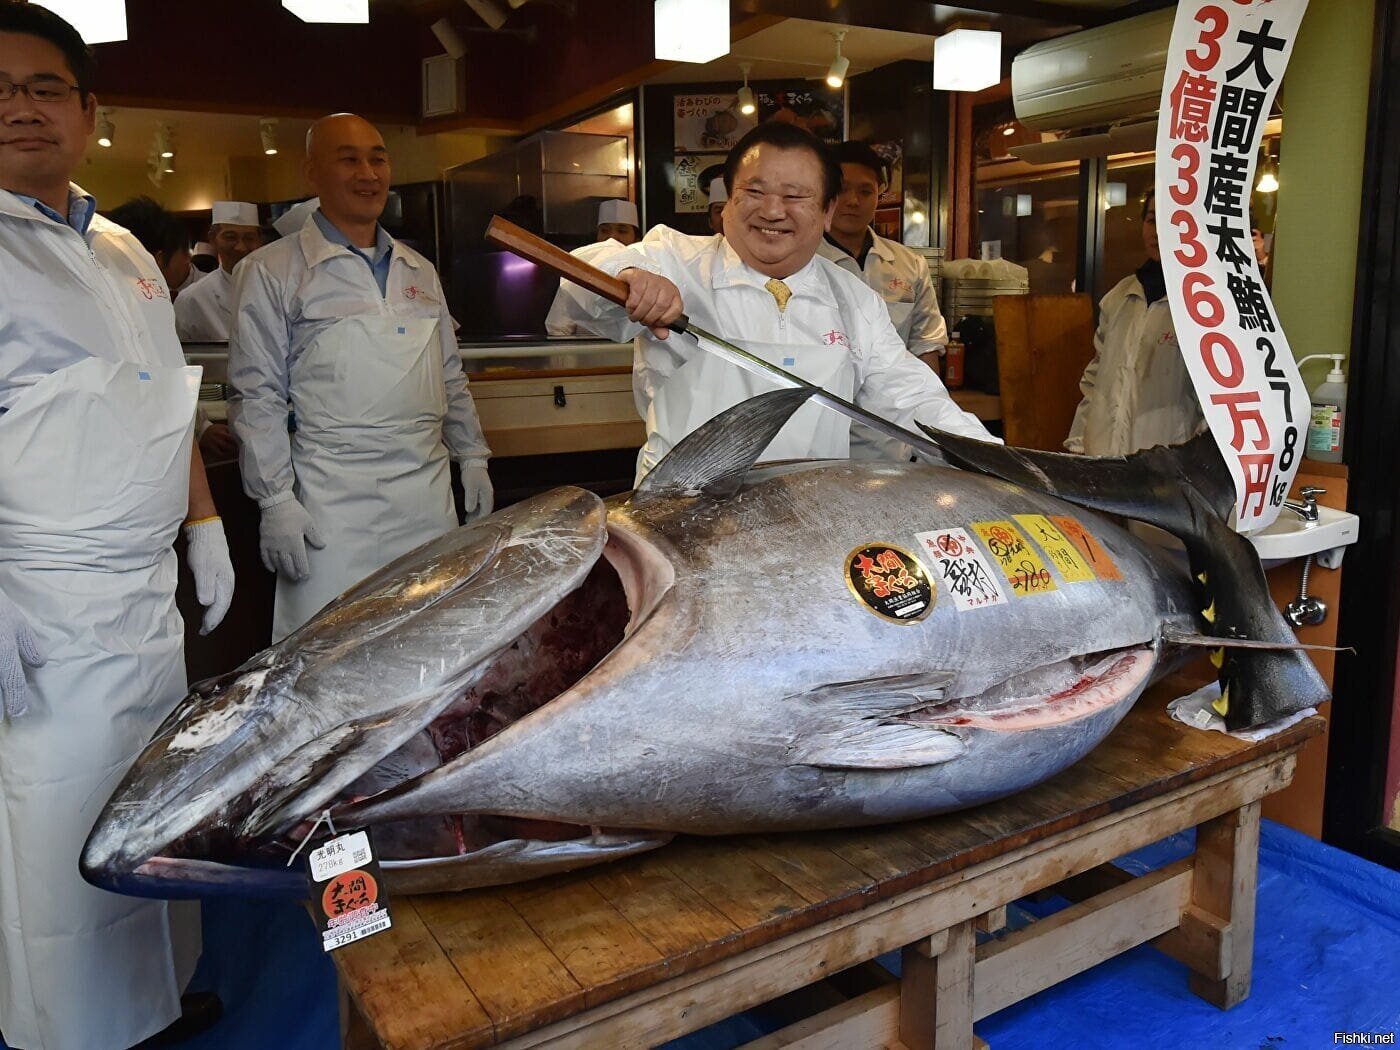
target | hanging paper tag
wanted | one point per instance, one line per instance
(347, 890)
(1223, 68)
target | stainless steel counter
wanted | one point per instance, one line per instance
(553, 355)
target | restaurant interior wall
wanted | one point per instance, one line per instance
(670, 156)
(1325, 99)
(896, 105)
(1361, 791)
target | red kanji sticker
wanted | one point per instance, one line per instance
(890, 582)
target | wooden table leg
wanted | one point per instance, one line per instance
(1223, 885)
(355, 1033)
(935, 991)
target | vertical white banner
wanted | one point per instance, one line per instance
(1224, 66)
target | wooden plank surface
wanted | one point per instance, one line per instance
(525, 957)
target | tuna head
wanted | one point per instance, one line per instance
(431, 655)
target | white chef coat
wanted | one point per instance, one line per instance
(82, 968)
(37, 293)
(285, 295)
(203, 311)
(1137, 392)
(902, 279)
(828, 307)
(565, 317)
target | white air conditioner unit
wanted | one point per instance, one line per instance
(444, 86)
(1109, 77)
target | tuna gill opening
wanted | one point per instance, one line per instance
(558, 650)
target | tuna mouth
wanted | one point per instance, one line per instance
(1057, 693)
(545, 661)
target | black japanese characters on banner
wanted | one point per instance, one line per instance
(1223, 69)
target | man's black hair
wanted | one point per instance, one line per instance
(16, 17)
(152, 225)
(1147, 201)
(852, 152)
(783, 135)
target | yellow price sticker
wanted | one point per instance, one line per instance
(1062, 553)
(1017, 559)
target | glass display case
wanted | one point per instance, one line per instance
(551, 184)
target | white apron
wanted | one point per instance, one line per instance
(371, 466)
(706, 385)
(93, 488)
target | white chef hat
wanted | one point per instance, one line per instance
(619, 211)
(295, 217)
(718, 194)
(204, 248)
(235, 213)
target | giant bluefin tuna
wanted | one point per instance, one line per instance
(726, 649)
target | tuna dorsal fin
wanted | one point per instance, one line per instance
(714, 459)
(1187, 491)
(855, 725)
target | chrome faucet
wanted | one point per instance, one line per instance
(1307, 510)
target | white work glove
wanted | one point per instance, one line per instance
(207, 553)
(19, 648)
(285, 531)
(478, 496)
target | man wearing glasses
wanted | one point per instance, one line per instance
(764, 283)
(97, 475)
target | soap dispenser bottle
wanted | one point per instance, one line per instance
(1329, 402)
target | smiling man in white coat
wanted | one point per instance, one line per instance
(97, 475)
(350, 327)
(763, 285)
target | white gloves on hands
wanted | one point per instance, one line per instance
(285, 531)
(19, 648)
(479, 497)
(207, 553)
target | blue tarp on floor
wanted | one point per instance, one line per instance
(1326, 960)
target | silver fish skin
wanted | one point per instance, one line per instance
(750, 689)
(756, 693)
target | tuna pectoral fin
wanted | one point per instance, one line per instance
(714, 459)
(1187, 491)
(851, 725)
(878, 745)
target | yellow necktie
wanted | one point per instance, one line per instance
(781, 292)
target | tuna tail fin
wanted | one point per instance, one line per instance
(714, 458)
(1185, 490)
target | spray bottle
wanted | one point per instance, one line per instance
(1329, 402)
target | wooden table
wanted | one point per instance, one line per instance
(635, 953)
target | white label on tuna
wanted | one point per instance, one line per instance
(340, 855)
(961, 568)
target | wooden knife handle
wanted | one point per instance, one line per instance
(505, 234)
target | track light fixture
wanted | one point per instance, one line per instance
(267, 131)
(164, 147)
(691, 30)
(747, 105)
(1268, 175)
(350, 11)
(836, 74)
(106, 130)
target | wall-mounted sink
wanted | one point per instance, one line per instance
(1290, 537)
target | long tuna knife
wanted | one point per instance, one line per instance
(505, 234)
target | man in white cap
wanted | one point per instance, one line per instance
(718, 197)
(350, 327)
(203, 260)
(618, 221)
(203, 313)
